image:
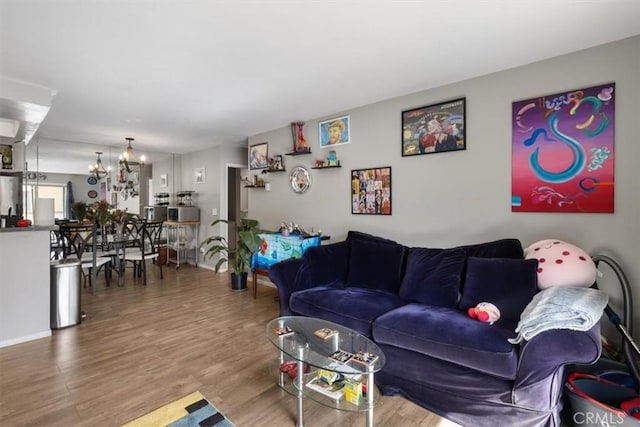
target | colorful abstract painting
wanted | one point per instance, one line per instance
(563, 157)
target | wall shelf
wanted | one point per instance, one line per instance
(254, 186)
(326, 167)
(276, 170)
(298, 153)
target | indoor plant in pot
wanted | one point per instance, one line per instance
(79, 210)
(238, 258)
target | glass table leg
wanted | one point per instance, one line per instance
(370, 390)
(299, 381)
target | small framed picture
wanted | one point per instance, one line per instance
(334, 132)
(199, 175)
(258, 156)
(434, 128)
(276, 163)
(164, 180)
(103, 191)
(371, 191)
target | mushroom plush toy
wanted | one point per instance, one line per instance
(561, 264)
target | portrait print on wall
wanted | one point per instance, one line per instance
(335, 132)
(434, 129)
(562, 152)
(258, 156)
(371, 191)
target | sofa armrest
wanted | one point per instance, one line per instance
(289, 276)
(545, 353)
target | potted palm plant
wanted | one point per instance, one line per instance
(238, 258)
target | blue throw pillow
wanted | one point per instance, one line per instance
(432, 276)
(375, 265)
(328, 263)
(509, 284)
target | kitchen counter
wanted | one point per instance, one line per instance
(24, 287)
(30, 228)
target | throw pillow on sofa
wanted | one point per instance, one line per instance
(375, 265)
(509, 284)
(432, 276)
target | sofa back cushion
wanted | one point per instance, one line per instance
(432, 276)
(328, 264)
(503, 248)
(375, 265)
(359, 235)
(509, 284)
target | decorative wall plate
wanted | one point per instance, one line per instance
(92, 194)
(300, 179)
(92, 180)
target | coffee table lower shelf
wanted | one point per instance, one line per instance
(288, 384)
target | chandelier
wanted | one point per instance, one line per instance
(127, 160)
(98, 169)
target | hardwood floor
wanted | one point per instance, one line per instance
(142, 347)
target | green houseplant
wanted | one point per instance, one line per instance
(79, 210)
(99, 212)
(238, 258)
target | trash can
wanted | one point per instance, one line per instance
(595, 401)
(65, 293)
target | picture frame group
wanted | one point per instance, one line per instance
(371, 191)
(434, 128)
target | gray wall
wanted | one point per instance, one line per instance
(463, 197)
(212, 194)
(172, 167)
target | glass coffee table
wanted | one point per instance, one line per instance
(326, 362)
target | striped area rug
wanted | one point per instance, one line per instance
(190, 411)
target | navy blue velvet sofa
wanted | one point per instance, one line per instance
(413, 301)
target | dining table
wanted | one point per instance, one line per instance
(105, 244)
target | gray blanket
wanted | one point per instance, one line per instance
(560, 308)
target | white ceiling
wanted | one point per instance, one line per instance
(181, 76)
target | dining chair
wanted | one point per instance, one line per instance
(56, 245)
(81, 241)
(149, 234)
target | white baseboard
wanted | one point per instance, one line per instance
(25, 338)
(207, 267)
(261, 279)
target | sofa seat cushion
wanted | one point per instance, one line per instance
(355, 308)
(449, 334)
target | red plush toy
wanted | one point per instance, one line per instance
(485, 312)
(291, 368)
